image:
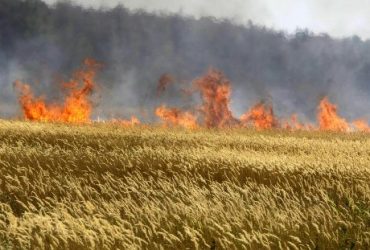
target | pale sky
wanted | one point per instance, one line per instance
(338, 18)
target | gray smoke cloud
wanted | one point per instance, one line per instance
(293, 70)
(339, 18)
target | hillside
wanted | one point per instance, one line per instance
(103, 186)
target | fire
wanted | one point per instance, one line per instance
(293, 124)
(261, 116)
(213, 112)
(134, 121)
(77, 106)
(176, 117)
(328, 118)
(215, 90)
(361, 125)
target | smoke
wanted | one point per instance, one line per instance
(292, 71)
(340, 18)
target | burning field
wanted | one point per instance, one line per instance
(200, 178)
(214, 111)
(184, 125)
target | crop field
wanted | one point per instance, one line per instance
(104, 186)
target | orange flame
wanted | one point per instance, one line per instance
(134, 121)
(361, 125)
(215, 90)
(176, 117)
(294, 124)
(328, 118)
(77, 106)
(261, 116)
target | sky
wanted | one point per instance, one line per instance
(338, 18)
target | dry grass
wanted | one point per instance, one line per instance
(106, 187)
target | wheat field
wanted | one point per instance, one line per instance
(104, 186)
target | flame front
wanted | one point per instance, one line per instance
(77, 106)
(176, 117)
(328, 118)
(292, 123)
(261, 116)
(133, 121)
(213, 112)
(361, 125)
(215, 90)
